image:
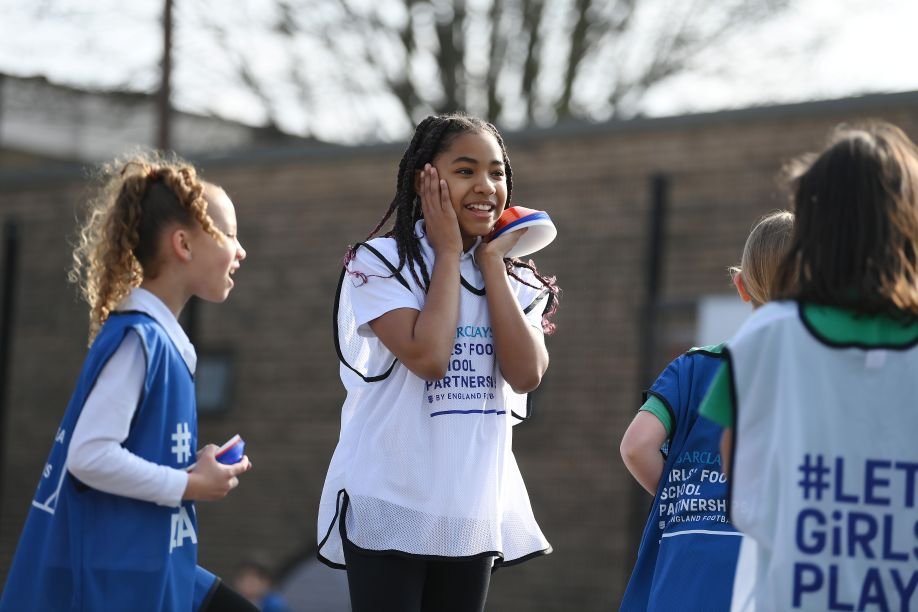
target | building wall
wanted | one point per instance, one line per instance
(297, 212)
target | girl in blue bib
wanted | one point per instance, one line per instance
(112, 525)
(689, 549)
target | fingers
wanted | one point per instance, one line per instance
(430, 190)
(208, 450)
(445, 203)
(242, 466)
(503, 243)
(434, 191)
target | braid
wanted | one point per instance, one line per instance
(117, 244)
(409, 247)
(424, 146)
(548, 282)
(400, 186)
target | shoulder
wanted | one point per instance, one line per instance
(376, 249)
(771, 313)
(153, 338)
(120, 322)
(767, 317)
(376, 258)
(126, 334)
(696, 366)
(712, 350)
(140, 322)
(697, 356)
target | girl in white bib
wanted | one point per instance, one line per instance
(440, 337)
(819, 391)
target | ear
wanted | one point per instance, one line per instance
(741, 287)
(180, 241)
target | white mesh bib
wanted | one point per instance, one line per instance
(424, 467)
(825, 474)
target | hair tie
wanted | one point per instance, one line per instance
(127, 165)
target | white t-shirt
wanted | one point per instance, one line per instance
(427, 466)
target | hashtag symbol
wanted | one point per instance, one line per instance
(182, 439)
(814, 477)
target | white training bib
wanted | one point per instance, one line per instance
(826, 466)
(425, 467)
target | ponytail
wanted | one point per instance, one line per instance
(117, 244)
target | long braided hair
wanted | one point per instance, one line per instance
(117, 243)
(433, 135)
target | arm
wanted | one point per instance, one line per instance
(423, 340)
(717, 406)
(96, 455)
(520, 347)
(726, 449)
(640, 449)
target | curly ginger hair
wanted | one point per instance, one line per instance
(135, 200)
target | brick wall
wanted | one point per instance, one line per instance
(299, 209)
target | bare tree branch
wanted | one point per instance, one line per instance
(533, 10)
(498, 54)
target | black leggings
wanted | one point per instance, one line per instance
(393, 583)
(225, 599)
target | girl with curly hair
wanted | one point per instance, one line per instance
(112, 524)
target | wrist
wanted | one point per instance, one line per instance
(447, 258)
(490, 260)
(447, 252)
(191, 486)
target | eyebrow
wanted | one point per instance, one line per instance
(472, 160)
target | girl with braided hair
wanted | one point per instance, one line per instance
(440, 337)
(112, 524)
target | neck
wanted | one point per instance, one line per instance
(173, 298)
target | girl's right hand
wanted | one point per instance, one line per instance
(440, 219)
(211, 480)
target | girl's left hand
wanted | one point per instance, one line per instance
(500, 246)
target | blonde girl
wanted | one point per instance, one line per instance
(688, 545)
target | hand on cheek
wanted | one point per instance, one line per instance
(439, 216)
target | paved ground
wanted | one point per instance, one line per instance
(312, 586)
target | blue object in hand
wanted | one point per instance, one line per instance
(231, 452)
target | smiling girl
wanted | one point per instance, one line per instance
(440, 337)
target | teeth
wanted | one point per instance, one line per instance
(483, 207)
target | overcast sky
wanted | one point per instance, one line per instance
(856, 47)
(821, 49)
